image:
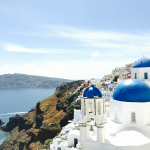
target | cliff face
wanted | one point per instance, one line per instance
(1, 122)
(44, 121)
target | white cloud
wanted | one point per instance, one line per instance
(19, 48)
(95, 54)
(67, 70)
(105, 41)
(115, 50)
(7, 66)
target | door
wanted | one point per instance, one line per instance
(75, 142)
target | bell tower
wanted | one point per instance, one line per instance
(93, 116)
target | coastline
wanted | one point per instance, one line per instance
(4, 134)
(19, 101)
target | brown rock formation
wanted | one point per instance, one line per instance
(42, 122)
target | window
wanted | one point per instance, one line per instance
(90, 107)
(135, 75)
(99, 108)
(133, 118)
(116, 114)
(145, 75)
(103, 107)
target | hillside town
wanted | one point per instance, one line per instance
(109, 117)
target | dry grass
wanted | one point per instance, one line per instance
(36, 131)
(48, 106)
(36, 145)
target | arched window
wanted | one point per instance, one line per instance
(133, 117)
(90, 107)
(99, 108)
(145, 75)
(135, 76)
(116, 114)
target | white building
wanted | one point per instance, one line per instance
(141, 70)
(93, 112)
(96, 82)
(69, 135)
(130, 107)
(107, 93)
(124, 126)
(111, 85)
(128, 126)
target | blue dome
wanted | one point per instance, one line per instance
(143, 62)
(112, 82)
(92, 91)
(132, 90)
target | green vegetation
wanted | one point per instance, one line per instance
(60, 94)
(48, 141)
(115, 78)
(69, 101)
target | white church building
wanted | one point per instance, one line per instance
(125, 127)
(141, 70)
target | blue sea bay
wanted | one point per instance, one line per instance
(20, 101)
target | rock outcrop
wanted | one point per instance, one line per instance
(1, 122)
(44, 121)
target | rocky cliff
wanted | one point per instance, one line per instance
(44, 121)
(1, 122)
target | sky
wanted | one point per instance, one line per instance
(72, 39)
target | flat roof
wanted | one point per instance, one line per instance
(64, 142)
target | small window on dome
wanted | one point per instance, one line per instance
(135, 75)
(145, 75)
(133, 117)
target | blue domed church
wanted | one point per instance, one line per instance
(141, 70)
(127, 125)
(124, 124)
(129, 122)
(130, 106)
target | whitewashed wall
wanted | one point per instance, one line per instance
(72, 136)
(140, 73)
(142, 111)
(77, 115)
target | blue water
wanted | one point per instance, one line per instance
(19, 101)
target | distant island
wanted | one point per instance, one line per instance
(17, 80)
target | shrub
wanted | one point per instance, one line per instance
(67, 101)
(115, 78)
(60, 93)
(71, 106)
(77, 106)
(47, 142)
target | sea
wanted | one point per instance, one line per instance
(19, 101)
